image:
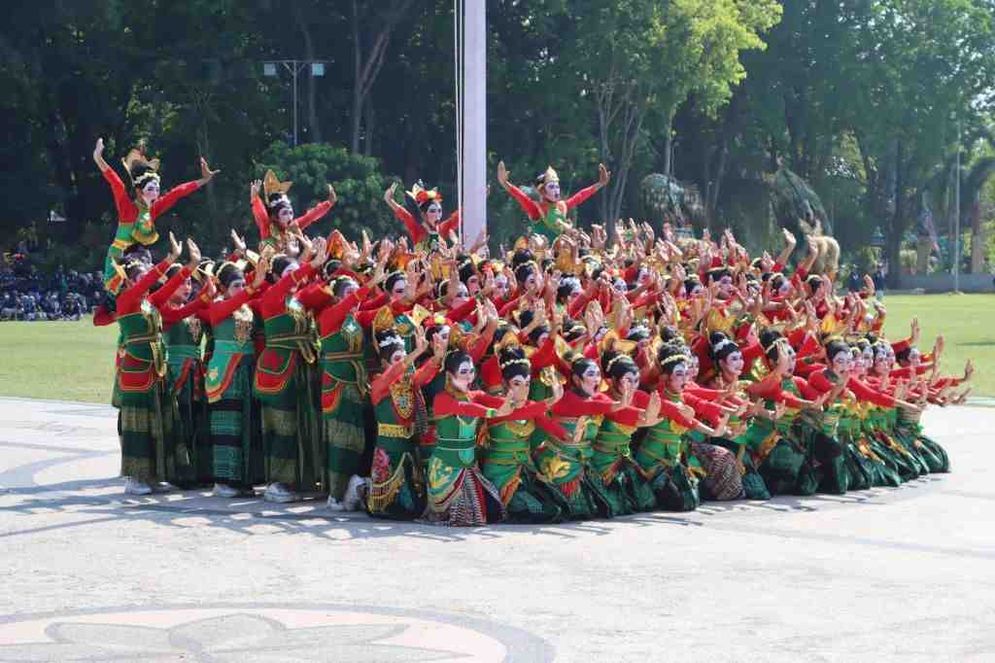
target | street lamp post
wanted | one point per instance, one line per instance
(317, 68)
(957, 218)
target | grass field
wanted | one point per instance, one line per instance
(75, 360)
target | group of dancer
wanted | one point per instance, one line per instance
(573, 376)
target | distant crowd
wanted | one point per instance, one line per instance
(26, 293)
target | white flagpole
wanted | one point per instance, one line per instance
(474, 140)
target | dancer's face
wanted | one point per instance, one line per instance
(473, 284)
(150, 192)
(444, 333)
(627, 380)
(725, 287)
(235, 287)
(183, 292)
(285, 215)
(733, 364)
(433, 213)
(551, 191)
(397, 290)
(842, 362)
(462, 294)
(501, 285)
(590, 380)
(678, 378)
(463, 376)
(518, 383)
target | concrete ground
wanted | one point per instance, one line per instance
(906, 573)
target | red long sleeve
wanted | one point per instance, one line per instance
(160, 297)
(313, 214)
(126, 210)
(261, 216)
(529, 206)
(415, 230)
(582, 195)
(130, 300)
(166, 201)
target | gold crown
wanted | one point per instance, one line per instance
(549, 176)
(421, 195)
(384, 320)
(272, 184)
(136, 157)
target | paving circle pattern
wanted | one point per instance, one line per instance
(263, 633)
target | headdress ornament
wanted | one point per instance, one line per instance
(423, 196)
(272, 185)
(548, 176)
(384, 320)
(136, 159)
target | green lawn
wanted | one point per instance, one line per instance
(58, 360)
(75, 360)
(967, 323)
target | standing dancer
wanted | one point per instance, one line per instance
(428, 229)
(137, 213)
(233, 411)
(549, 215)
(274, 214)
(283, 383)
(146, 410)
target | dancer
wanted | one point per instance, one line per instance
(137, 212)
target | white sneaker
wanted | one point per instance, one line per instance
(335, 505)
(354, 493)
(224, 490)
(280, 493)
(136, 487)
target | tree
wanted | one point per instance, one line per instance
(356, 179)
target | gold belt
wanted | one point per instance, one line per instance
(393, 430)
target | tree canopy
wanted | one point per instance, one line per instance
(866, 100)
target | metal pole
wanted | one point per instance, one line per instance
(957, 217)
(294, 65)
(474, 213)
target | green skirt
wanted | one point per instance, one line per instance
(236, 449)
(397, 485)
(147, 423)
(291, 436)
(344, 438)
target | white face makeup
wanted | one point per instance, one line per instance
(734, 363)
(630, 379)
(520, 382)
(725, 287)
(551, 191)
(463, 377)
(473, 284)
(433, 212)
(462, 294)
(501, 285)
(398, 355)
(842, 362)
(679, 378)
(397, 290)
(150, 192)
(444, 333)
(235, 287)
(590, 380)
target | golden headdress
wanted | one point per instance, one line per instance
(545, 178)
(423, 196)
(831, 325)
(136, 160)
(273, 185)
(384, 320)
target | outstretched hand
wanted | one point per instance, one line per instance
(206, 174)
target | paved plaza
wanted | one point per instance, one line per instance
(90, 574)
